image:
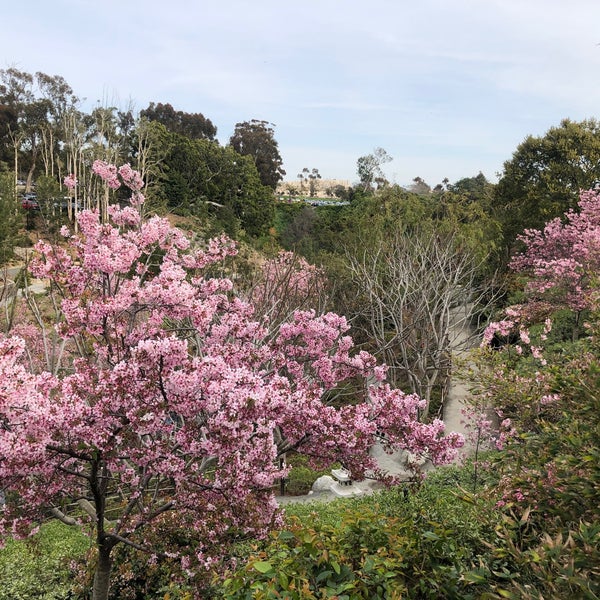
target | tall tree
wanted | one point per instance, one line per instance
(369, 168)
(178, 402)
(311, 178)
(192, 125)
(544, 176)
(61, 101)
(36, 109)
(256, 138)
(420, 186)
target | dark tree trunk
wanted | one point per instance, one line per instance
(102, 575)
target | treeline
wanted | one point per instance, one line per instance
(45, 135)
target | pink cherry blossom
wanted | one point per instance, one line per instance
(70, 181)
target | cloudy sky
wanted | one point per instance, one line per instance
(448, 87)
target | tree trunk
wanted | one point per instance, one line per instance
(102, 575)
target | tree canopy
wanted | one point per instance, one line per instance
(544, 177)
(192, 125)
(202, 178)
(256, 139)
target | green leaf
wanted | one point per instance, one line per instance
(323, 575)
(262, 566)
(284, 582)
(472, 577)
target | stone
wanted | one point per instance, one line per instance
(323, 484)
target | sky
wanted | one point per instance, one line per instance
(449, 88)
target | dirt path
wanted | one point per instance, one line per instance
(458, 391)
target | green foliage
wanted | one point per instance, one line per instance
(40, 567)
(204, 179)
(393, 544)
(302, 475)
(465, 208)
(47, 188)
(549, 487)
(11, 217)
(543, 178)
(392, 209)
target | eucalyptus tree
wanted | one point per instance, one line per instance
(61, 103)
(369, 168)
(309, 177)
(256, 138)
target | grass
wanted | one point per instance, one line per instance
(39, 567)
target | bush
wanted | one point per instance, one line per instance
(41, 567)
(301, 476)
(426, 544)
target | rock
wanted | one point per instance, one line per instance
(323, 484)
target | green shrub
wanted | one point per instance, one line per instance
(302, 476)
(424, 544)
(41, 567)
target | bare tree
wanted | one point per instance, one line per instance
(285, 284)
(415, 293)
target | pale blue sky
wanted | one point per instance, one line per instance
(448, 87)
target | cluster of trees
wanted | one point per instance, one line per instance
(528, 527)
(153, 390)
(44, 136)
(404, 259)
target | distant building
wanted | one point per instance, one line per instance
(324, 188)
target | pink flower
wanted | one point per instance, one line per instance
(108, 173)
(70, 181)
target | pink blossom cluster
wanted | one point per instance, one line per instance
(563, 259)
(108, 173)
(514, 496)
(70, 181)
(503, 328)
(513, 323)
(113, 177)
(131, 178)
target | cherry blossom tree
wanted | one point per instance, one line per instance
(562, 260)
(173, 399)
